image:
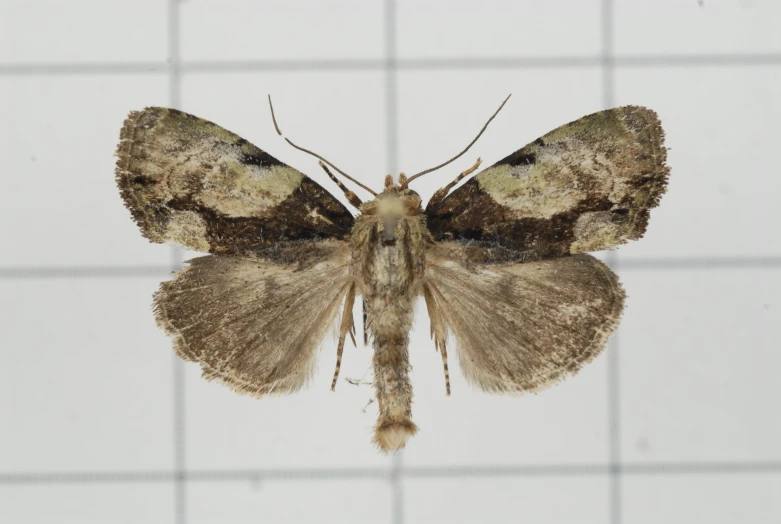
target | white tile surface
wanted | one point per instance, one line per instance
(279, 30)
(85, 383)
(49, 31)
(88, 503)
(496, 28)
(699, 360)
(57, 141)
(721, 124)
(701, 498)
(300, 501)
(506, 500)
(86, 377)
(654, 27)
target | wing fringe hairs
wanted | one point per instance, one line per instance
(253, 325)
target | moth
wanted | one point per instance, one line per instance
(501, 262)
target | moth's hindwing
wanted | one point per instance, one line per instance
(254, 324)
(192, 183)
(521, 327)
(586, 186)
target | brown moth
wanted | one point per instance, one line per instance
(501, 261)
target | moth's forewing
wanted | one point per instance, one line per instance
(520, 327)
(190, 182)
(586, 186)
(253, 324)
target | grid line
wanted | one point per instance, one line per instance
(179, 429)
(613, 400)
(417, 472)
(402, 64)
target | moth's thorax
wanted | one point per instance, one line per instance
(388, 242)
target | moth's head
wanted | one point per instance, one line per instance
(397, 200)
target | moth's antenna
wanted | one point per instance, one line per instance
(413, 177)
(348, 177)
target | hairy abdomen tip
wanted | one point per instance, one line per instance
(393, 436)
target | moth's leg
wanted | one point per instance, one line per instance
(438, 331)
(442, 193)
(443, 352)
(365, 325)
(345, 328)
(351, 197)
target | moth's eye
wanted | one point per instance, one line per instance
(411, 201)
(369, 208)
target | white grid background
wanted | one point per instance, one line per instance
(678, 422)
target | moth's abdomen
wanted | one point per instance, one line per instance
(390, 322)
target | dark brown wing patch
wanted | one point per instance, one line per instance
(586, 186)
(190, 182)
